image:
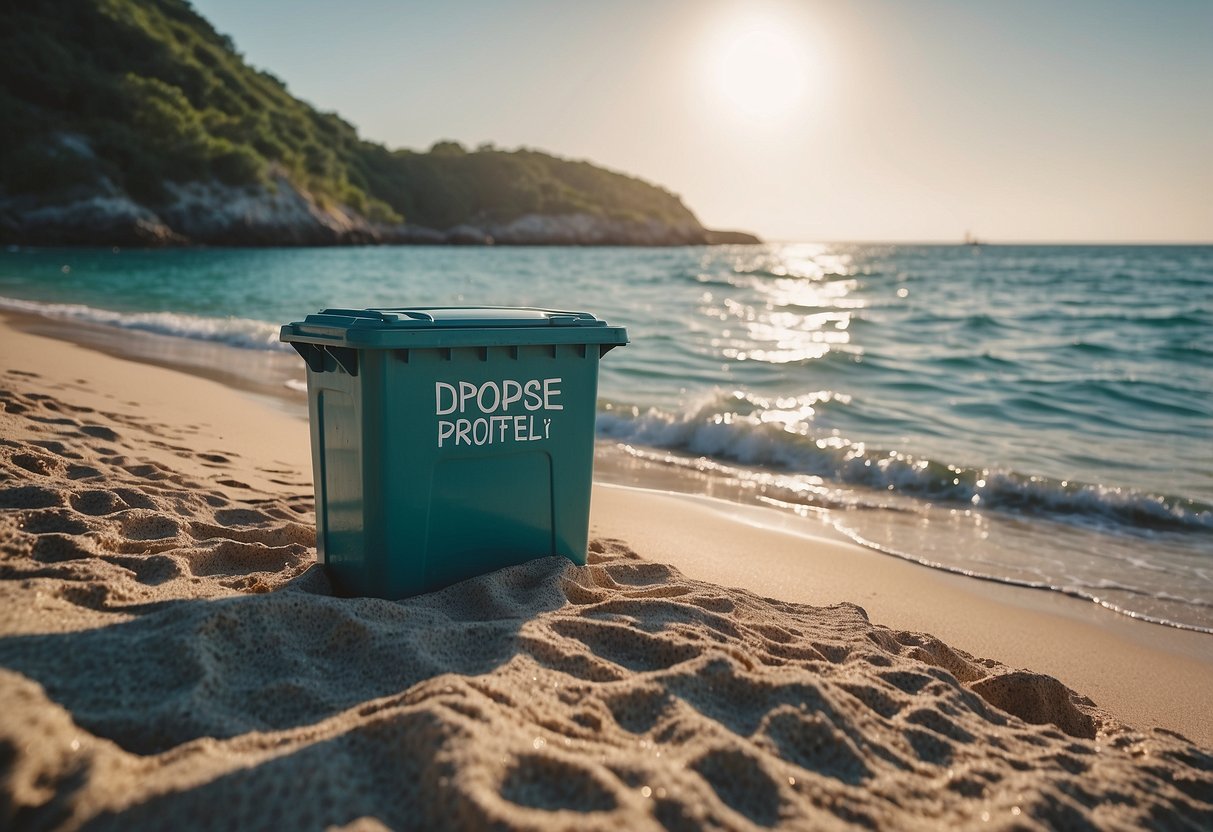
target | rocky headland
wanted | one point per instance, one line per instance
(281, 214)
(135, 123)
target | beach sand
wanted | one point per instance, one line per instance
(171, 656)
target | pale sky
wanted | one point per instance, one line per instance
(1023, 120)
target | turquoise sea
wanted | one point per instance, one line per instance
(1040, 415)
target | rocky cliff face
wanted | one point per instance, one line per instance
(275, 214)
(279, 213)
(216, 214)
(196, 212)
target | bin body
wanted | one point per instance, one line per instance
(449, 442)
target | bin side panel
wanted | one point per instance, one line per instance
(341, 506)
(573, 451)
(487, 513)
(378, 471)
(316, 432)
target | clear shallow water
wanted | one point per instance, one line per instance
(1041, 415)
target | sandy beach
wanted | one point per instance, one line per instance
(170, 655)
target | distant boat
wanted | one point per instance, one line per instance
(971, 240)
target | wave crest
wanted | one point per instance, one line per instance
(745, 429)
(244, 333)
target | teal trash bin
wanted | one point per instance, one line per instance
(449, 442)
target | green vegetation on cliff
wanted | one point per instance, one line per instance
(449, 185)
(133, 94)
(158, 95)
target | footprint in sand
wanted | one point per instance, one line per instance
(99, 432)
(83, 472)
(56, 447)
(30, 496)
(53, 420)
(97, 503)
(56, 547)
(37, 464)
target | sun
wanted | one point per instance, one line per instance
(759, 68)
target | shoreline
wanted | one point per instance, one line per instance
(171, 656)
(1147, 674)
(262, 373)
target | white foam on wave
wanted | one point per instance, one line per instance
(244, 333)
(735, 429)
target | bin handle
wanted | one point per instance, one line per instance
(314, 354)
(378, 314)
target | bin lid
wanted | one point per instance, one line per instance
(451, 326)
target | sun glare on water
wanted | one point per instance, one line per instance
(760, 68)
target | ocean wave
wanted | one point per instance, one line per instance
(244, 333)
(778, 434)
